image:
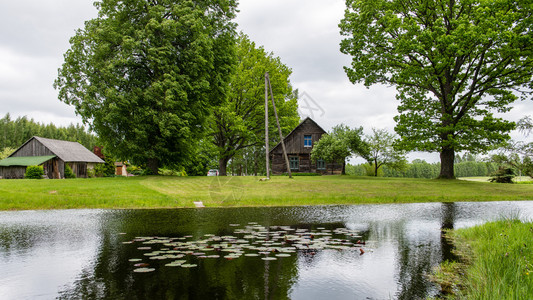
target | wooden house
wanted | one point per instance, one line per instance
(299, 143)
(52, 155)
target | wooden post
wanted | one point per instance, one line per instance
(279, 129)
(266, 127)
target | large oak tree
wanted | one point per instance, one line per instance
(145, 73)
(453, 62)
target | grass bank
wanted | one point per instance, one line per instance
(170, 192)
(497, 262)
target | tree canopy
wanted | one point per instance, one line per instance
(14, 132)
(239, 123)
(145, 74)
(454, 63)
(382, 152)
(340, 143)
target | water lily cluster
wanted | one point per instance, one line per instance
(251, 241)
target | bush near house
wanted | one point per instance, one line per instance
(34, 172)
(68, 172)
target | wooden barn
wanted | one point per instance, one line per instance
(52, 155)
(299, 143)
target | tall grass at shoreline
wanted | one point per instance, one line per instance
(497, 262)
(175, 192)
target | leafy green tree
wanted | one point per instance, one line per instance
(145, 74)
(239, 123)
(6, 152)
(382, 152)
(517, 155)
(525, 125)
(340, 143)
(453, 63)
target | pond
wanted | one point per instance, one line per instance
(318, 252)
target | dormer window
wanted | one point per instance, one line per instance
(308, 141)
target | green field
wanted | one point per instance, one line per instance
(172, 192)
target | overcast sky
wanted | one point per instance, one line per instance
(34, 35)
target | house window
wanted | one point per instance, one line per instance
(308, 141)
(294, 162)
(320, 164)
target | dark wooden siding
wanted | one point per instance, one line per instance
(294, 142)
(306, 165)
(79, 169)
(32, 148)
(12, 172)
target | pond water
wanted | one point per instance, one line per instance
(72, 254)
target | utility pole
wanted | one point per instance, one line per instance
(279, 128)
(266, 127)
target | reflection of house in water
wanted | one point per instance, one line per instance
(53, 155)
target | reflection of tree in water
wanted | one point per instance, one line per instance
(417, 258)
(447, 222)
(111, 275)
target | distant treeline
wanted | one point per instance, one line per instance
(14, 132)
(423, 169)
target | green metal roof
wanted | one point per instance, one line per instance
(25, 161)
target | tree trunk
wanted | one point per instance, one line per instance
(447, 156)
(343, 167)
(153, 165)
(222, 166)
(255, 163)
(376, 167)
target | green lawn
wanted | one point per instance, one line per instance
(171, 192)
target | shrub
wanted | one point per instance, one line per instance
(91, 173)
(134, 170)
(68, 172)
(170, 172)
(34, 172)
(503, 175)
(105, 170)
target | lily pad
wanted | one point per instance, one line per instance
(268, 258)
(283, 255)
(143, 270)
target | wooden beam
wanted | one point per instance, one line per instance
(279, 128)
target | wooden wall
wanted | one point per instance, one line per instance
(12, 172)
(79, 169)
(32, 148)
(306, 165)
(294, 143)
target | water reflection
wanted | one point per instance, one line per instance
(79, 253)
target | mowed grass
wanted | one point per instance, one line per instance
(497, 262)
(172, 192)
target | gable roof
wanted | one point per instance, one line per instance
(24, 161)
(66, 151)
(295, 128)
